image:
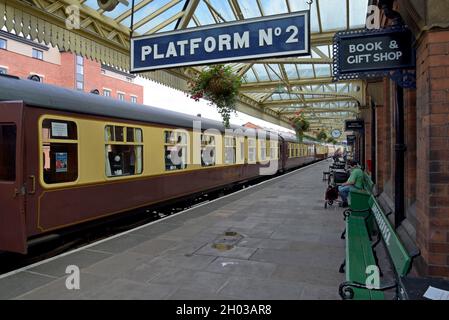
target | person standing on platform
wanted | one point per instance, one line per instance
(355, 181)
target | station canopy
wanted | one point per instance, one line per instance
(273, 89)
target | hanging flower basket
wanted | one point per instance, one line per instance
(300, 124)
(220, 86)
(322, 136)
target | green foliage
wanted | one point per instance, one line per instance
(220, 86)
(332, 140)
(322, 136)
(301, 125)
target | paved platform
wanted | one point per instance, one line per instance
(286, 246)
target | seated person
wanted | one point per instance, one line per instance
(355, 181)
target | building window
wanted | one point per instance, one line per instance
(175, 151)
(3, 44)
(38, 54)
(230, 150)
(121, 96)
(106, 92)
(79, 73)
(208, 156)
(8, 134)
(133, 99)
(60, 151)
(3, 70)
(124, 151)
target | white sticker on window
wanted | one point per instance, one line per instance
(59, 130)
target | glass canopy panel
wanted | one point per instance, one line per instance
(291, 71)
(250, 76)
(306, 71)
(249, 8)
(271, 7)
(261, 72)
(322, 70)
(92, 4)
(167, 14)
(274, 72)
(204, 15)
(224, 9)
(333, 14)
(356, 17)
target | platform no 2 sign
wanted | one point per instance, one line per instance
(274, 36)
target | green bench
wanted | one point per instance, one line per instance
(361, 254)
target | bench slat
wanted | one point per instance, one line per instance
(398, 254)
(359, 255)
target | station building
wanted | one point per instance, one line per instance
(25, 58)
(406, 137)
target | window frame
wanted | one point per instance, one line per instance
(39, 56)
(50, 117)
(5, 41)
(125, 142)
(183, 146)
(205, 144)
(227, 146)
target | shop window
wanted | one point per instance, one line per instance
(230, 150)
(208, 148)
(8, 134)
(60, 151)
(175, 150)
(124, 151)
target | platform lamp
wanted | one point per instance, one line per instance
(109, 5)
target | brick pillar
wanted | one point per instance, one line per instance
(433, 153)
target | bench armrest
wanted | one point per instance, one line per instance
(346, 292)
(347, 213)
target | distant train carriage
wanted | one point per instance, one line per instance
(67, 158)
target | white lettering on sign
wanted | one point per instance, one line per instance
(222, 42)
(373, 18)
(374, 52)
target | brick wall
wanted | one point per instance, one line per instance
(433, 152)
(63, 74)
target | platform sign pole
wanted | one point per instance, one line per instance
(267, 37)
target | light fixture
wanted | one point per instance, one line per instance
(109, 5)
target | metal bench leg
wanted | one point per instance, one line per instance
(343, 235)
(342, 267)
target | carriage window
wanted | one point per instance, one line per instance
(8, 133)
(208, 156)
(60, 151)
(263, 149)
(251, 150)
(123, 158)
(175, 151)
(274, 154)
(230, 150)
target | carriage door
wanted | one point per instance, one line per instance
(12, 190)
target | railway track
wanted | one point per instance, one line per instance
(55, 244)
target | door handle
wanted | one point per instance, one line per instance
(33, 185)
